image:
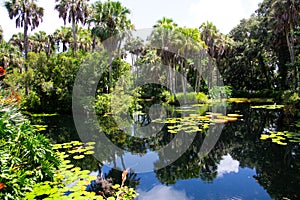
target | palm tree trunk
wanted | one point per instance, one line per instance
(26, 51)
(183, 81)
(94, 43)
(74, 28)
(290, 42)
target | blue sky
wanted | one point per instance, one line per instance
(225, 14)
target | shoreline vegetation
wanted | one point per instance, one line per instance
(258, 62)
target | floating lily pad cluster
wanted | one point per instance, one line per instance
(281, 138)
(40, 127)
(219, 118)
(249, 100)
(268, 107)
(77, 149)
(194, 123)
(70, 181)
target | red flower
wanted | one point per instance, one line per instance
(2, 71)
(2, 185)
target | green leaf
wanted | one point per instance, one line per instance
(78, 157)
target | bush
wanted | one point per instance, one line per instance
(26, 157)
(202, 97)
(220, 92)
(191, 97)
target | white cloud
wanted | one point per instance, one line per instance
(227, 165)
(163, 193)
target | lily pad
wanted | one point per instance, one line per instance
(235, 115)
(78, 157)
(231, 119)
(219, 121)
(89, 152)
(268, 107)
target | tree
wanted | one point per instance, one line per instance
(27, 14)
(163, 38)
(10, 56)
(250, 60)
(280, 19)
(286, 18)
(109, 19)
(18, 41)
(63, 36)
(84, 40)
(73, 11)
(40, 41)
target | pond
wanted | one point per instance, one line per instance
(243, 164)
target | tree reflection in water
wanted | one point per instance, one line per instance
(277, 167)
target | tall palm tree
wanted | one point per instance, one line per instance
(286, 19)
(164, 37)
(109, 19)
(189, 50)
(27, 14)
(73, 11)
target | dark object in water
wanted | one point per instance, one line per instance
(101, 187)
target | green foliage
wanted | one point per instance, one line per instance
(70, 181)
(50, 81)
(290, 97)
(190, 97)
(103, 104)
(219, 92)
(26, 157)
(116, 104)
(282, 138)
(202, 97)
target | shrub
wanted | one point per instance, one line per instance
(202, 97)
(26, 157)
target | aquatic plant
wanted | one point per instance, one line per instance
(70, 181)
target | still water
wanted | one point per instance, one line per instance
(240, 165)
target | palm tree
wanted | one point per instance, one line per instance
(10, 56)
(27, 14)
(109, 19)
(73, 11)
(189, 50)
(84, 40)
(286, 19)
(18, 41)
(135, 47)
(42, 42)
(63, 36)
(163, 37)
